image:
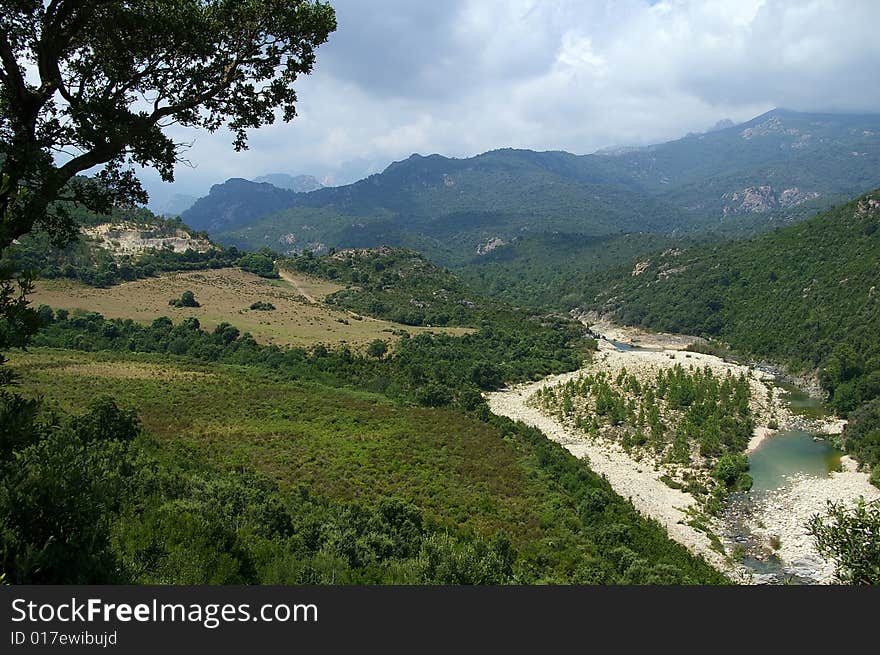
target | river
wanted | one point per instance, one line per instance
(763, 532)
(794, 471)
(788, 456)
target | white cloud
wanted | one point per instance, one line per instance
(463, 76)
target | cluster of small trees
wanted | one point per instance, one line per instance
(676, 409)
(675, 413)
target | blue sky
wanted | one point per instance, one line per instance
(460, 77)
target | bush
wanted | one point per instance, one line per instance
(731, 470)
(187, 299)
(377, 349)
(851, 537)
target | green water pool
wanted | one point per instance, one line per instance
(791, 453)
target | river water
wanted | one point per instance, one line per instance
(783, 456)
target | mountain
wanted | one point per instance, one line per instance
(297, 183)
(173, 205)
(778, 167)
(778, 160)
(446, 208)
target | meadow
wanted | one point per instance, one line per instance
(226, 295)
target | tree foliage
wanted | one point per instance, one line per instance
(112, 75)
(851, 537)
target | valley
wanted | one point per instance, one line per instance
(515, 368)
(755, 536)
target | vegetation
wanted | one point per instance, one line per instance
(301, 487)
(261, 263)
(396, 284)
(262, 306)
(187, 299)
(851, 537)
(687, 418)
(436, 370)
(554, 270)
(818, 279)
(861, 438)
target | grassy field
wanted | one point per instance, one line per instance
(343, 444)
(313, 289)
(226, 295)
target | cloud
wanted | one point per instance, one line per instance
(463, 76)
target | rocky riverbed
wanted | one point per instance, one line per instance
(764, 532)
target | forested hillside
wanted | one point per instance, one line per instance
(805, 295)
(554, 270)
(446, 208)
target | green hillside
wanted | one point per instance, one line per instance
(445, 208)
(554, 270)
(263, 465)
(776, 168)
(805, 295)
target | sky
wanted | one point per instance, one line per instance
(460, 77)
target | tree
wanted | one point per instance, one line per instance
(92, 84)
(111, 75)
(851, 537)
(377, 348)
(187, 299)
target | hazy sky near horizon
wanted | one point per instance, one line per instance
(459, 77)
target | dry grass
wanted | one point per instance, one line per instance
(311, 288)
(225, 295)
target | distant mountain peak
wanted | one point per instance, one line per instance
(723, 124)
(296, 183)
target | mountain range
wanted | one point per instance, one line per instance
(777, 167)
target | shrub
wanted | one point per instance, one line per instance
(187, 299)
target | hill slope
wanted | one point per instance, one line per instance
(131, 243)
(806, 294)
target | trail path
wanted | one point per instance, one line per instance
(287, 277)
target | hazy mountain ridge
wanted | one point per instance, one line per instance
(446, 207)
(296, 183)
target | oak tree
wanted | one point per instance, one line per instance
(90, 85)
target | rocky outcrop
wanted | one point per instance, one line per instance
(130, 239)
(763, 199)
(490, 245)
